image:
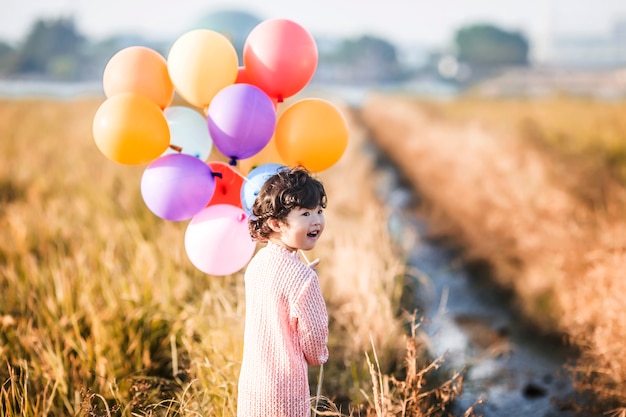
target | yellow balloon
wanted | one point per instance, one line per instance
(313, 133)
(268, 155)
(201, 63)
(131, 129)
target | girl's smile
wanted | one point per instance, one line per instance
(300, 230)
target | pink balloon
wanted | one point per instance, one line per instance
(280, 57)
(241, 119)
(177, 186)
(218, 241)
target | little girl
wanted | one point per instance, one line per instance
(286, 327)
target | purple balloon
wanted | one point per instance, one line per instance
(241, 120)
(177, 186)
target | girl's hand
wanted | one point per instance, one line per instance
(313, 264)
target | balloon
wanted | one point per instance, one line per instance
(311, 132)
(241, 120)
(256, 179)
(202, 62)
(130, 129)
(176, 187)
(280, 57)
(242, 76)
(269, 154)
(189, 133)
(217, 240)
(140, 70)
(228, 187)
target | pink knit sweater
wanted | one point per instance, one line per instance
(286, 329)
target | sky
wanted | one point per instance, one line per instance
(426, 22)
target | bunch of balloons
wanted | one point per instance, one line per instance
(230, 108)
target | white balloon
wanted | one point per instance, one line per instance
(189, 132)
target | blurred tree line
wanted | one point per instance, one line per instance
(55, 50)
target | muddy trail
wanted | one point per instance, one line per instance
(510, 367)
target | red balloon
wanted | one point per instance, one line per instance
(228, 187)
(242, 76)
(280, 57)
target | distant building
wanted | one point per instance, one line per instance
(589, 52)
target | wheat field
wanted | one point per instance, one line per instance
(102, 314)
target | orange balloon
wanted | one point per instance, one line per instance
(139, 70)
(313, 133)
(130, 129)
(201, 63)
(268, 155)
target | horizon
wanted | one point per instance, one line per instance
(397, 21)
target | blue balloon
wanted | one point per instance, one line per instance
(255, 180)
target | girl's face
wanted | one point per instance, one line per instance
(300, 230)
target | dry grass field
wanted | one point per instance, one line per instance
(536, 191)
(102, 314)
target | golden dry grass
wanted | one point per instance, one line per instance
(103, 314)
(535, 189)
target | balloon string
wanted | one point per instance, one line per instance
(319, 388)
(304, 256)
(176, 148)
(240, 174)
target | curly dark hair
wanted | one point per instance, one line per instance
(289, 188)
